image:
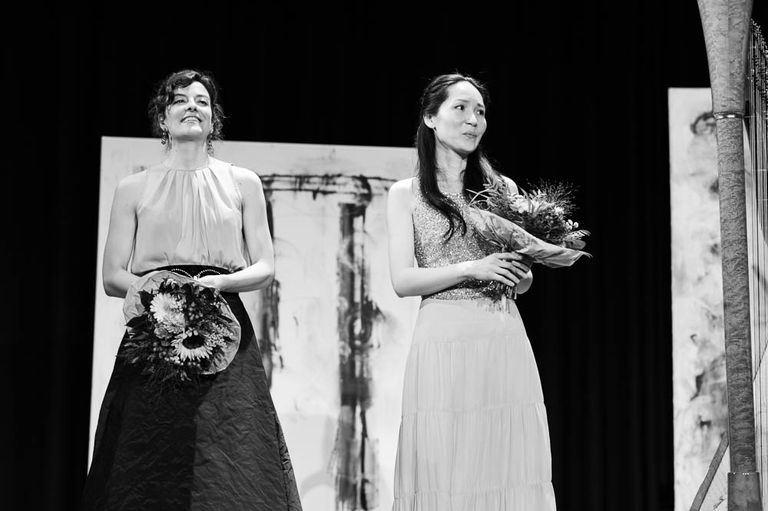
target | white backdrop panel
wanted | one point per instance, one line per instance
(307, 238)
(700, 411)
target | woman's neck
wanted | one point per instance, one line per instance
(187, 156)
(450, 170)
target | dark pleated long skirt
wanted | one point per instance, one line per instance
(213, 445)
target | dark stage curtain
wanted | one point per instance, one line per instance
(579, 92)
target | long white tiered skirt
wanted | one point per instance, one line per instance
(474, 433)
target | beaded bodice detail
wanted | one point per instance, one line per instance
(432, 250)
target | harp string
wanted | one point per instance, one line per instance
(757, 234)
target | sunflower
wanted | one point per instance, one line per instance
(190, 345)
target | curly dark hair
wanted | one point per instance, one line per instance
(164, 94)
(478, 169)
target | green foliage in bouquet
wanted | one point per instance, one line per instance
(543, 212)
(534, 224)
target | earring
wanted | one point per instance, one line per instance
(164, 136)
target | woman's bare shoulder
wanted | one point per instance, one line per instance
(131, 186)
(244, 173)
(402, 195)
(247, 179)
(403, 188)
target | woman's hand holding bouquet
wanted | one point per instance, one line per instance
(177, 328)
(535, 225)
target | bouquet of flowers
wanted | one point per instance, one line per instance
(535, 224)
(177, 328)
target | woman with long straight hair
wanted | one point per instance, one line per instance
(474, 434)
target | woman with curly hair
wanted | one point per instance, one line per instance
(215, 443)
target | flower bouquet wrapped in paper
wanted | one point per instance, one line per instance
(534, 224)
(177, 328)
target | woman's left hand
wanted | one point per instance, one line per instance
(214, 281)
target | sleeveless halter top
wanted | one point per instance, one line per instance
(432, 250)
(190, 217)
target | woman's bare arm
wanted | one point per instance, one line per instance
(257, 238)
(121, 236)
(410, 280)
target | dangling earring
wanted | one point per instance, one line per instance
(211, 134)
(164, 136)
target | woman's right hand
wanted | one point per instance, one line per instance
(506, 267)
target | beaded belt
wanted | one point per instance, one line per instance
(188, 270)
(199, 274)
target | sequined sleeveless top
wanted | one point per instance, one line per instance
(432, 250)
(190, 217)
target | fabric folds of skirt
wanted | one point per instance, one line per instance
(474, 434)
(213, 445)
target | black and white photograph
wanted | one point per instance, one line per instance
(386, 257)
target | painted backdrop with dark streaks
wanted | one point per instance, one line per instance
(334, 336)
(700, 404)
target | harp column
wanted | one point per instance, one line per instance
(726, 30)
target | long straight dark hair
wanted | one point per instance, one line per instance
(478, 169)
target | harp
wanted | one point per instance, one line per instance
(738, 67)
